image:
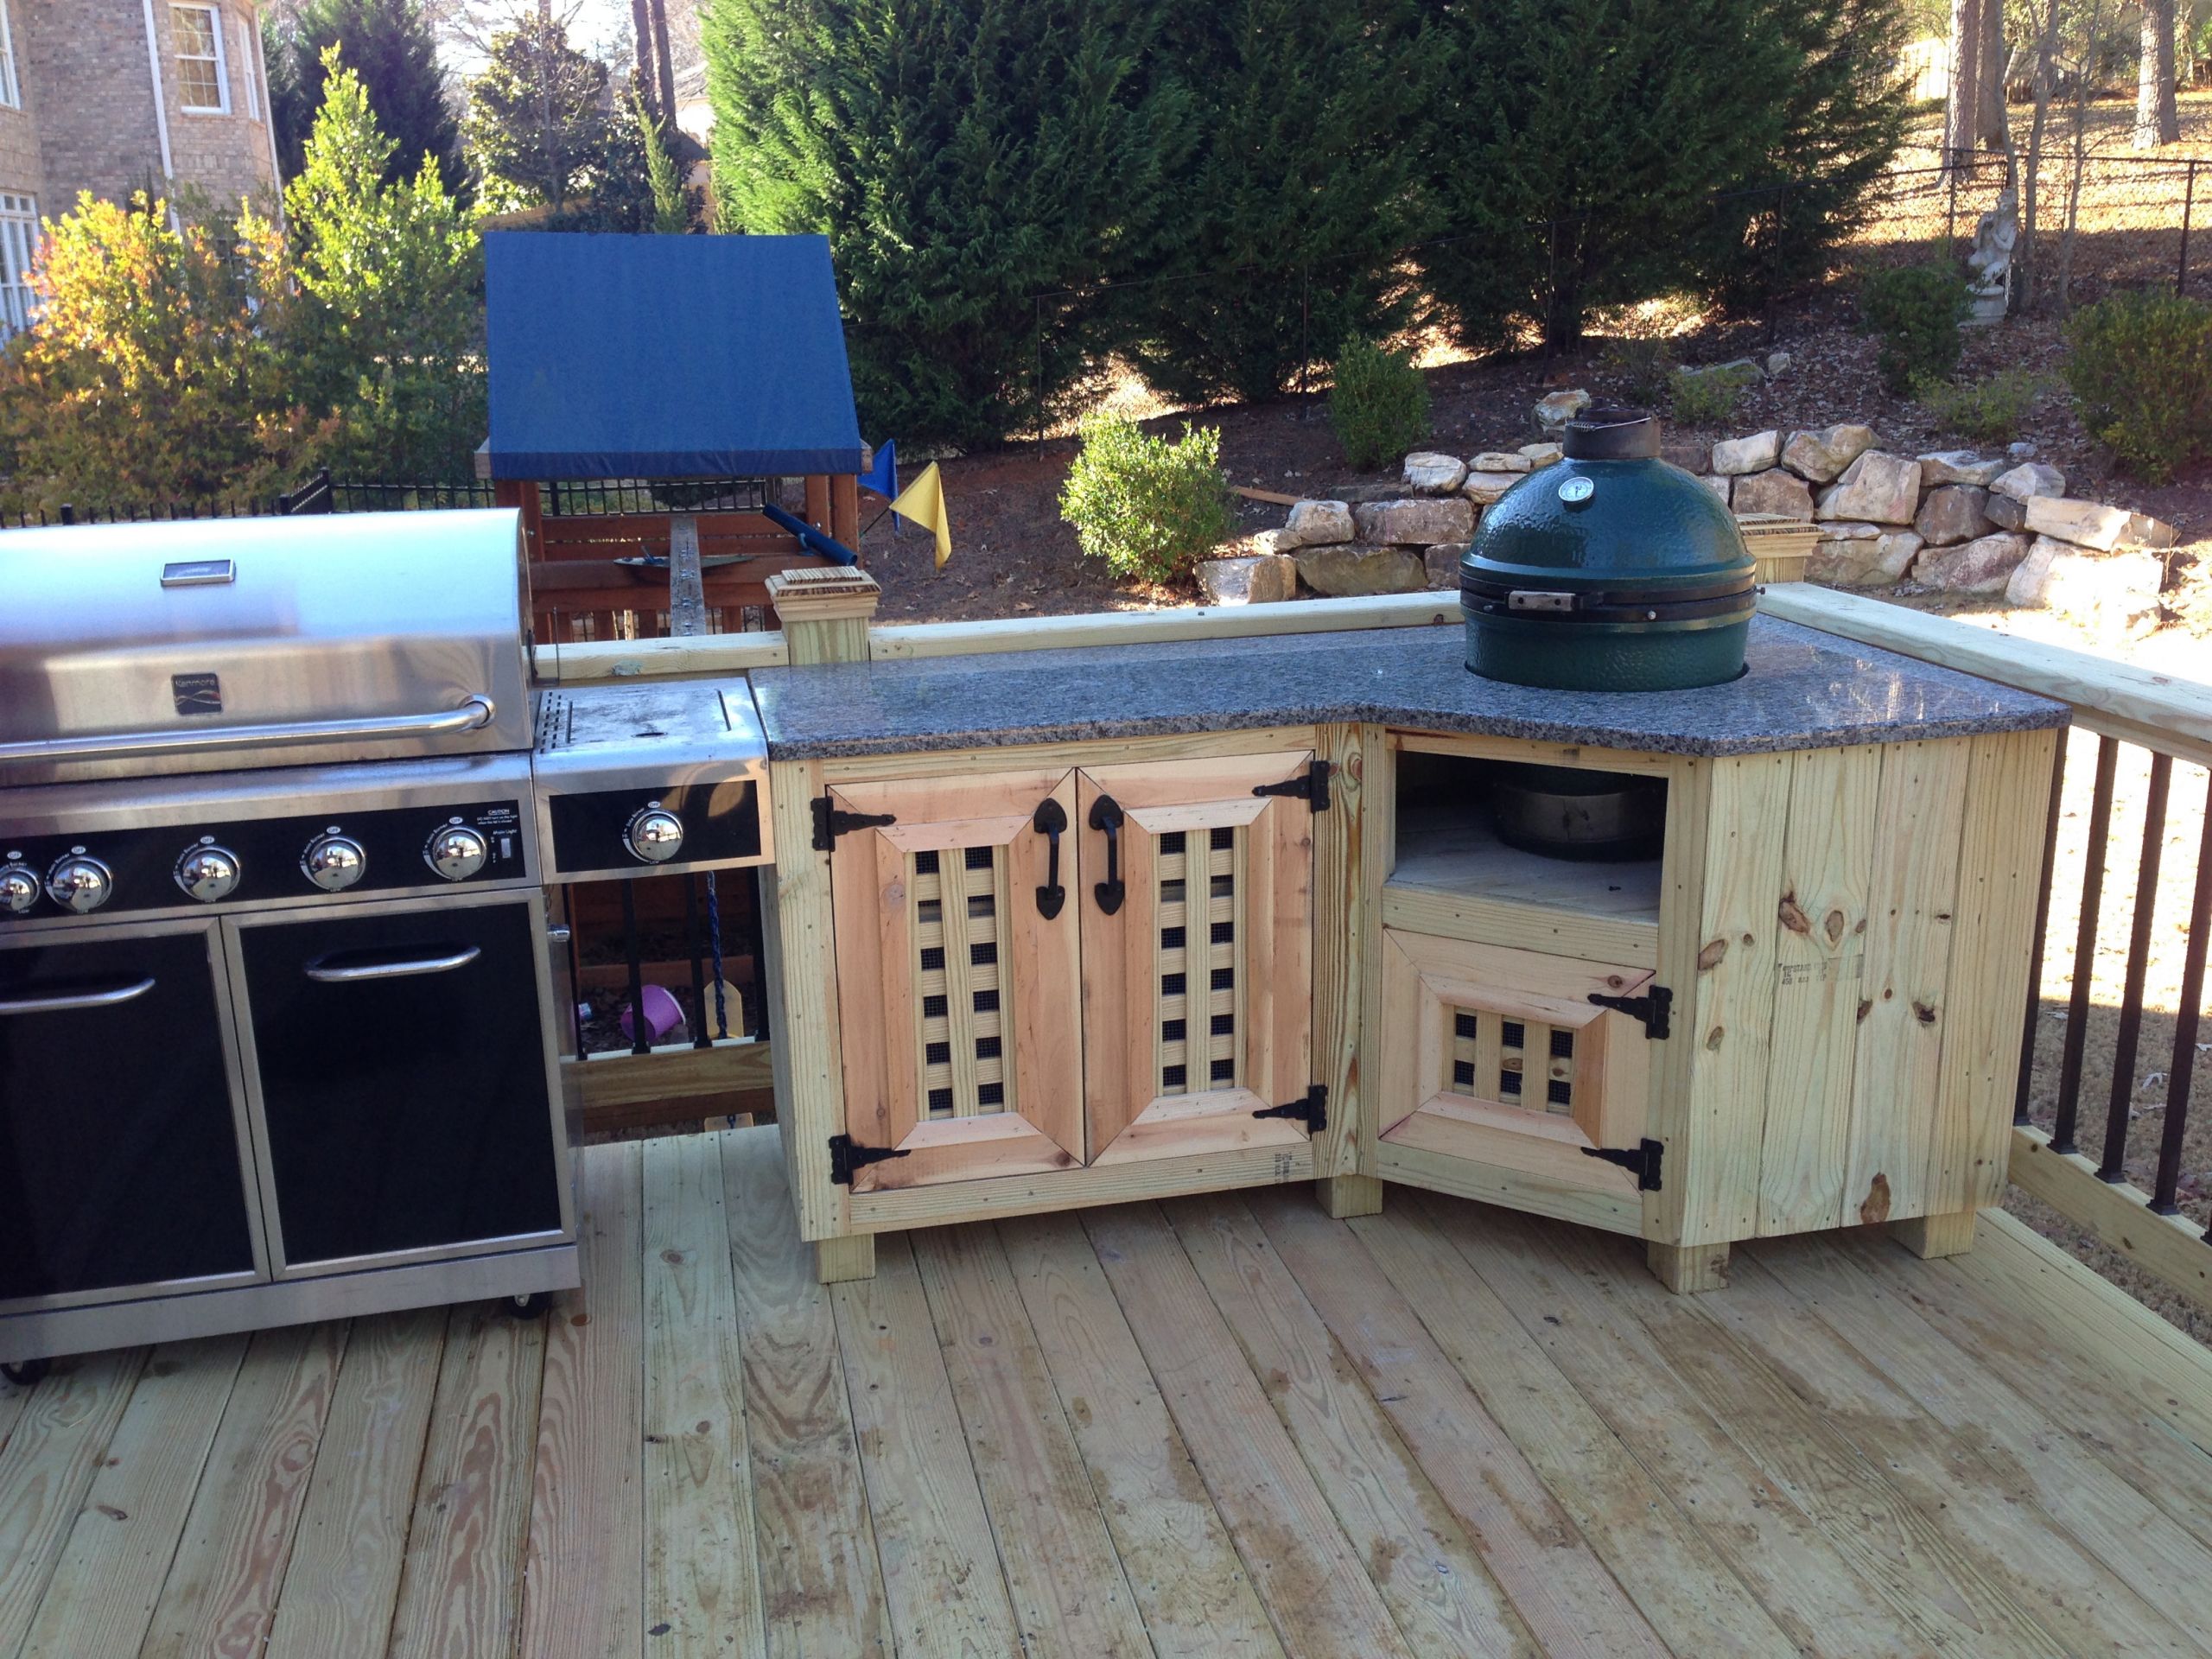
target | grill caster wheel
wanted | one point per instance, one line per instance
(526, 1307)
(27, 1373)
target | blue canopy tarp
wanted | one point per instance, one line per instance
(666, 356)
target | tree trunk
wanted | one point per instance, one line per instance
(668, 66)
(1963, 103)
(641, 25)
(2025, 256)
(2158, 121)
(1989, 128)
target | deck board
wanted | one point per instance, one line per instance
(1231, 1428)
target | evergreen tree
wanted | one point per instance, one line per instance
(537, 128)
(392, 331)
(963, 157)
(1303, 184)
(671, 201)
(391, 47)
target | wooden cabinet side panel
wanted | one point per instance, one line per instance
(1910, 910)
(2000, 863)
(1338, 908)
(1730, 1001)
(1682, 896)
(811, 1094)
(1827, 863)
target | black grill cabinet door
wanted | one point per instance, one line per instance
(402, 1072)
(119, 1160)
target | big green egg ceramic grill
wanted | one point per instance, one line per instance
(1609, 571)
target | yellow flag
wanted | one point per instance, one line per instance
(921, 502)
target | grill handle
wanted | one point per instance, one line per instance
(474, 712)
(339, 970)
(106, 999)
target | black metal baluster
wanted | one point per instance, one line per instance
(700, 1038)
(2184, 1072)
(640, 1031)
(2085, 950)
(2042, 923)
(2114, 1167)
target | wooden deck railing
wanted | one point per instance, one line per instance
(2121, 705)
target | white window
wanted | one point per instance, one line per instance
(201, 86)
(11, 95)
(245, 68)
(18, 242)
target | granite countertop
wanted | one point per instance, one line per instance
(1804, 690)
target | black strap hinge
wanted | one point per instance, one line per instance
(1641, 1160)
(1655, 1008)
(1312, 1111)
(847, 1154)
(832, 820)
(1312, 786)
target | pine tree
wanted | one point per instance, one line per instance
(964, 157)
(391, 47)
(1302, 186)
(537, 127)
(672, 202)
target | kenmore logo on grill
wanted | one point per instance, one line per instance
(197, 694)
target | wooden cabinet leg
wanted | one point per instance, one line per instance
(1932, 1236)
(1685, 1269)
(837, 1259)
(1346, 1195)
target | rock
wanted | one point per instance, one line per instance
(1555, 409)
(1983, 565)
(1958, 467)
(1733, 457)
(1952, 514)
(1868, 557)
(1773, 491)
(1736, 368)
(1498, 460)
(1541, 455)
(2105, 592)
(1443, 562)
(1429, 474)
(1483, 488)
(1316, 524)
(1778, 362)
(1691, 454)
(1720, 486)
(2006, 512)
(2022, 450)
(1878, 486)
(2086, 523)
(1822, 455)
(1261, 579)
(1417, 523)
(2030, 478)
(1349, 567)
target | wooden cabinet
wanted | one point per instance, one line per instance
(1046, 968)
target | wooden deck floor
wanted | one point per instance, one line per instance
(1225, 1427)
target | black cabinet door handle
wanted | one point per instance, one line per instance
(1051, 822)
(1106, 815)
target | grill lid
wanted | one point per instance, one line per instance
(132, 650)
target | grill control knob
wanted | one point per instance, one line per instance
(208, 874)
(456, 853)
(655, 834)
(79, 883)
(18, 889)
(335, 862)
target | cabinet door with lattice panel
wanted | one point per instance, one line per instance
(1499, 1055)
(957, 1000)
(1198, 955)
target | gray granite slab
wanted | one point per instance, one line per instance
(1804, 690)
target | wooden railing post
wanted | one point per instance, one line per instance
(825, 613)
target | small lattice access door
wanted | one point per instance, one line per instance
(1499, 1057)
(1198, 976)
(957, 990)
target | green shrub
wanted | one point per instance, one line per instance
(1645, 365)
(1992, 410)
(1379, 405)
(1146, 507)
(1916, 310)
(1708, 397)
(2140, 369)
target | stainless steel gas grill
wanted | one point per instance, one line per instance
(275, 1011)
